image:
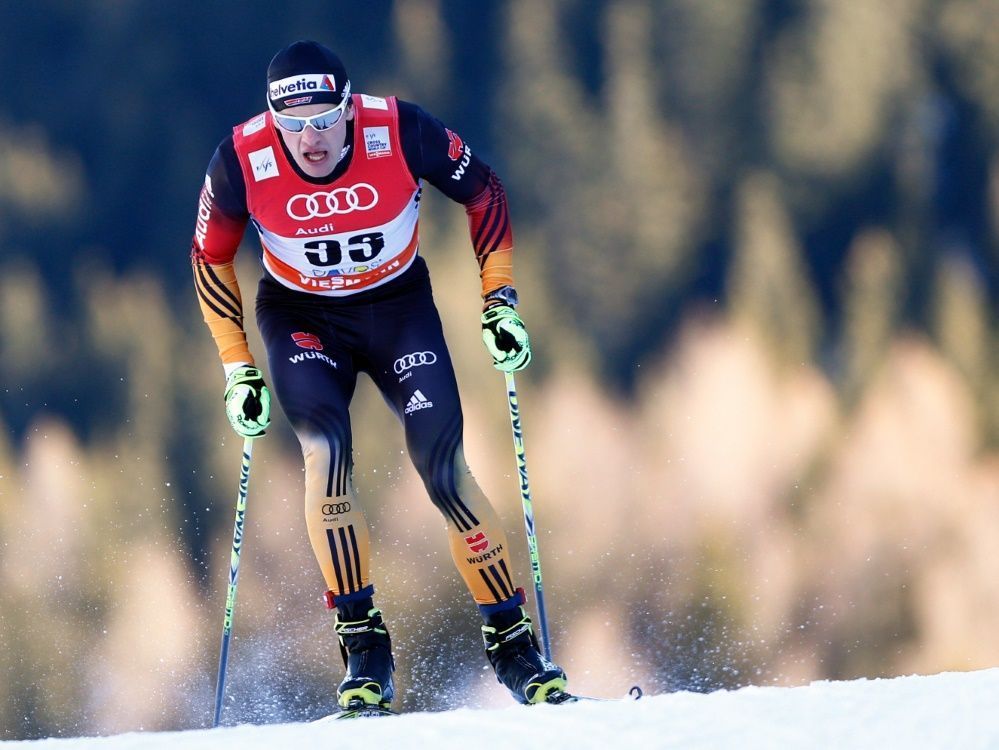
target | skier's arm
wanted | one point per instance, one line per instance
(442, 158)
(222, 219)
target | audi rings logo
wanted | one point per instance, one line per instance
(414, 360)
(335, 509)
(344, 200)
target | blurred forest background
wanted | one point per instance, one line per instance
(758, 252)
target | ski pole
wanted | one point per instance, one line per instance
(525, 496)
(230, 599)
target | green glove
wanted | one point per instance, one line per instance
(247, 401)
(506, 338)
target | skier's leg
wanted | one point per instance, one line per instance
(314, 380)
(418, 381)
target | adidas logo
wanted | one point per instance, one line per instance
(418, 401)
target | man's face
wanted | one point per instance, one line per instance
(316, 151)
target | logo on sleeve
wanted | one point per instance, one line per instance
(455, 146)
(456, 149)
(264, 164)
(377, 143)
(204, 212)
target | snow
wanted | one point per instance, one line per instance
(950, 710)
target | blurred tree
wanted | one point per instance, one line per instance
(769, 290)
(424, 64)
(35, 182)
(967, 36)
(873, 303)
(25, 323)
(709, 75)
(616, 199)
(835, 76)
(962, 329)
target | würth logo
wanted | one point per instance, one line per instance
(477, 542)
(455, 147)
(307, 341)
(418, 401)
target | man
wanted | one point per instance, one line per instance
(331, 181)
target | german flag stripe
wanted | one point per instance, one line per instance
(223, 287)
(491, 221)
(331, 538)
(486, 219)
(207, 302)
(442, 464)
(217, 290)
(436, 462)
(492, 589)
(223, 307)
(342, 469)
(446, 479)
(506, 573)
(498, 237)
(499, 220)
(454, 519)
(357, 554)
(347, 561)
(340, 460)
(345, 461)
(346, 558)
(505, 589)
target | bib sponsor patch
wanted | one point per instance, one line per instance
(377, 143)
(374, 102)
(257, 123)
(264, 164)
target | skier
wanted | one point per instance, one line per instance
(331, 180)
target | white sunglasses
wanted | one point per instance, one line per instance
(322, 121)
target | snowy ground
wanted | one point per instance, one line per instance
(953, 710)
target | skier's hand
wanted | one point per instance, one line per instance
(506, 338)
(247, 401)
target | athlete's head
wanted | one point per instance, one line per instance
(308, 93)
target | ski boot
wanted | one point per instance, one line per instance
(513, 651)
(367, 654)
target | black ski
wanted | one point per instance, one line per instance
(360, 710)
(558, 697)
